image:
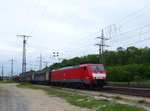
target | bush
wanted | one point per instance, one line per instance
(1, 78)
(128, 73)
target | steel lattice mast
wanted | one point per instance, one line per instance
(24, 52)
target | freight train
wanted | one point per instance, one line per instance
(84, 75)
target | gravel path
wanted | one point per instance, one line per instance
(13, 98)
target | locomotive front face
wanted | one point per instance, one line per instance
(98, 75)
(98, 72)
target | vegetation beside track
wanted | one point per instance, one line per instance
(132, 73)
(144, 82)
(83, 101)
(7, 81)
(130, 65)
(123, 65)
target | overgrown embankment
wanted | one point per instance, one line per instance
(83, 101)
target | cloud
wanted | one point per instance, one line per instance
(64, 26)
(6, 48)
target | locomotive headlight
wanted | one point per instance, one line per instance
(98, 75)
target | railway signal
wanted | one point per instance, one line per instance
(56, 54)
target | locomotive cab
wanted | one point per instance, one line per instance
(98, 75)
(98, 72)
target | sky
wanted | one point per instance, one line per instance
(69, 27)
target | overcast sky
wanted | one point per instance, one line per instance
(69, 27)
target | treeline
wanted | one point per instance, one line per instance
(129, 73)
(1, 78)
(128, 64)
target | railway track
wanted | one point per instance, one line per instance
(131, 85)
(140, 92)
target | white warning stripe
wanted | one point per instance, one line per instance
(99, 75)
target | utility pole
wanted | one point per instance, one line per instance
(101, 45)
(30, 67)
(24, 52)
(45, 63)
(12, 65)
(40, 62)
(34, 68)
(2, 71)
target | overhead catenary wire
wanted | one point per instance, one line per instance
(42, 14)
(129, 16)
(134, 13)
(30, 15)
(130, 31)
(83, 52)
(137, 42)
(33, 16)
(77, 49)
(117, 26)
(129, 37)
(82, 40)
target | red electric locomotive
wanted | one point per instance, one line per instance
(86, 74)
(16, 78)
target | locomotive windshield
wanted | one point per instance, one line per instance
(97, 68)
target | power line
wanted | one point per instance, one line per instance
(138, 42)
(129, 37)
(26, 16)
(43, 12)
(79, 52)
(76, 49)
(130, 15)
(81, 40)
(134, 13)
(140, 28)
(130, 31)
(113, 27)
(33, 13)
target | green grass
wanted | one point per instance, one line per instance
(141, 101)
(147, 102)
(144, 101)
(7, 81)
(117, 97)
(83, 101)
(138, 82)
